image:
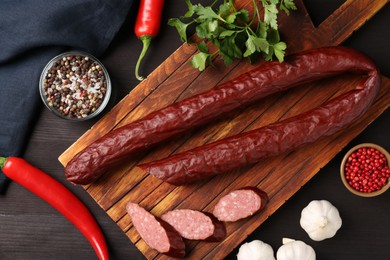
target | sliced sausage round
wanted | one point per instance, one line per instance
(240, 204)
(157, 233)
(196, 225)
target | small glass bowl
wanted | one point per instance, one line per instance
(343, 174)
(75, 92)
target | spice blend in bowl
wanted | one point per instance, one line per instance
(75, 86)
(365, 170)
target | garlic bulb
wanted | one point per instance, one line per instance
(320, 219)
(255, 250)
(295, 250)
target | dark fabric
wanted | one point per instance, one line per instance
(33, 32)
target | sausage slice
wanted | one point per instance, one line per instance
(240, 204)
(157, 233)
(196, 225)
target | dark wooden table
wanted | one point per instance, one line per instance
(31, 229)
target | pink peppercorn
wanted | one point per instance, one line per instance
(366, 170)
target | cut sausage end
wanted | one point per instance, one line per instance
(156, 233)
(240, 204)
(196, 225)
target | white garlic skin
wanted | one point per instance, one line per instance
(295, 250)
(255, 250)
(320, 219)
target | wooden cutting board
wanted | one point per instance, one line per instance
(279, 176)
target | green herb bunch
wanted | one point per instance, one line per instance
(232, 32)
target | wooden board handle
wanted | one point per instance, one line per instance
(349, 17)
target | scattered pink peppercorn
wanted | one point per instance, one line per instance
(367, 170)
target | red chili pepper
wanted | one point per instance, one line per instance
(147, 26)
(59, 197)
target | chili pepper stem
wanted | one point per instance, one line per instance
(145, 45)
(2, 161)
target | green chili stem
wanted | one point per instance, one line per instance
(2, 162)
(145, 45)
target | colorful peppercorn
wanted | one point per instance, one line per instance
(367, 170)
(75, 86)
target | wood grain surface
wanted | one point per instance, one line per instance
(279, 176)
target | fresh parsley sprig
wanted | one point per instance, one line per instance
(233, 31)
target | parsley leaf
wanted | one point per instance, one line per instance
(229, 50)
(232, 32)
(255, 44)
(205, 13)
(190, 11)
(199, 60)
(226, 33)
(270, 14)
(180, 27)
(287, 5)
(279, 49)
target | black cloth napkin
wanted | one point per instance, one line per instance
(33, 32)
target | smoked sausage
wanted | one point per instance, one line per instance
(116, 146)
(240, 204)
(196, 225)
(156, 233)
(250, 147)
